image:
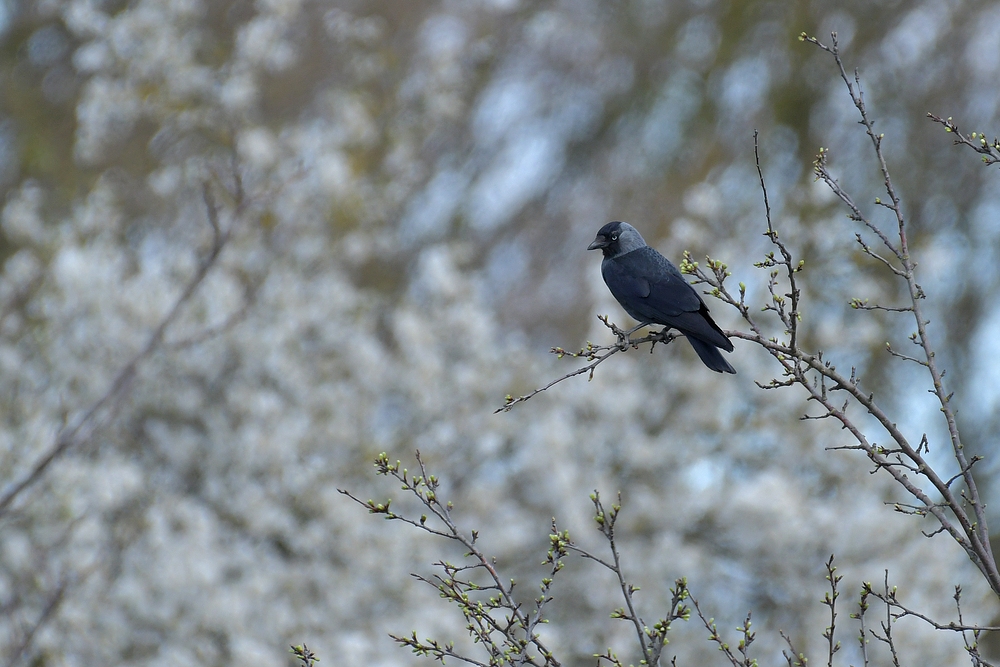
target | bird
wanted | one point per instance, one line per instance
(652, 291)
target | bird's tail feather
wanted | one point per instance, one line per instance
(711, 356)
(699, 324)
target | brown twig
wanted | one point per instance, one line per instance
(606, 524)
(898, 610)
(744, 659)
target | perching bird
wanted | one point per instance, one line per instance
(653, 291)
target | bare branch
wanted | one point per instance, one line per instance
(862, 304)
(234, 319)
(55, 599)
(904, 357)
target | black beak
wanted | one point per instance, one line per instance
(600, 243)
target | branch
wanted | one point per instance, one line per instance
(977, 531)
(793, 658)
(860, 615)
(234, 318)
(651, 640)
(886, 625)
(606, 524)
(518, 630)
(744, 644)
(53, 603)
(305, 657)
(596, 354)
(797, 367)
(899, 610)
(976, 141)
(830, 600)
(91, 421)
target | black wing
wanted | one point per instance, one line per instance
(651, 289)
(645, 285)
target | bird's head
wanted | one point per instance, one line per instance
(617, 238)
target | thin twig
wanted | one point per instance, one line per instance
(596, 354)
(830, 600)
(715, 637)
(977, 530)
(793, 658)
(898, 610)
(990, 150)
(425, 488)
(862, 609)
(605, 521)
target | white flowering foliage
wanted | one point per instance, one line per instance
(374, 221)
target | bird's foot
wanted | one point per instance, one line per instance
(628, 336)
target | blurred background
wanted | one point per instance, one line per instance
(422, 181)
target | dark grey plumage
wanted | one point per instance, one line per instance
(653, 291)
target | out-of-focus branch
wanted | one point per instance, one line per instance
(596, 355)
(899, 610)
(52, 604)
(234, 318)
(18, 298)
(98, 413)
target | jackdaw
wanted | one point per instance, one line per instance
(653, 291)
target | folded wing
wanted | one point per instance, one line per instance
(651, 289)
